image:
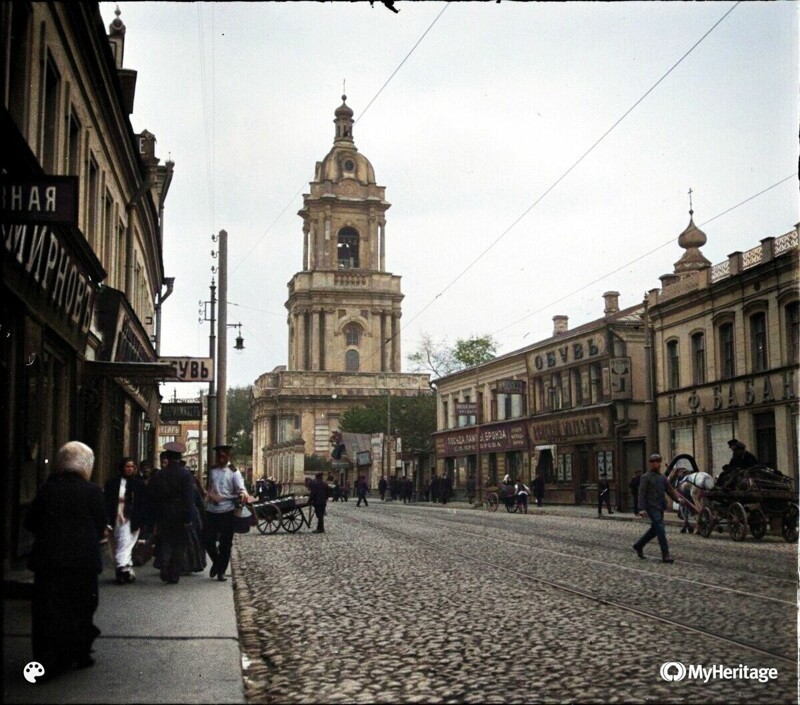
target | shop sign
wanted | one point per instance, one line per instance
(754, 390)
(48, 266)
(569, 429)
(363, 457)
(489, 439)
(169, 430)
(510, 386)
(567, 353)
(191, 369)
(52, 200)
(181, 411)
(466, 408)
(620, 368)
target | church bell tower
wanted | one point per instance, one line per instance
(344, 308)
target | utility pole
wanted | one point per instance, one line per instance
(212, 395)
(222, 365)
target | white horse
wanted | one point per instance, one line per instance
(693, 486)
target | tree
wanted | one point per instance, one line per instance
(412, 418)
(441, 360)
(239, 431)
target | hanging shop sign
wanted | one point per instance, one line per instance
(181, 411)
(52, 200)
(190, 369)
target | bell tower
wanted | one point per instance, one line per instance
(344, 308)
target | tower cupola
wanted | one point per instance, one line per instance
(343, 119)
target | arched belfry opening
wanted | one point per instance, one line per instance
(347, 249)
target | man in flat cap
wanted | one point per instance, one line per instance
(225, 488)
(741, 459)
(170, 494)
(652, 487)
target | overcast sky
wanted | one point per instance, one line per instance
(495, 104)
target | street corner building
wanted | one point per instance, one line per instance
(83, 277)
(344, 313)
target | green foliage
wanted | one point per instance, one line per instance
(239, 431)
(441, 360)
(412, 418)
(316, 463)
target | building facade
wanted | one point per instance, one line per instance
(83, 277)
(726, 339)
(344, 313)
(570, 407)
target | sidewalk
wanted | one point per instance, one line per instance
(160, 643)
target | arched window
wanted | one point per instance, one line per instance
(352, 335)
(351, 361)
(347, 249)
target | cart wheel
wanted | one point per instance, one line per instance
(492, 501)
(292, 520)
(269, 519)
(789, 523)
(511, 505)
(737, 522)
(705, 523)
(758, 524)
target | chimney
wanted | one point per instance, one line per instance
(560, 325)
(612, 302)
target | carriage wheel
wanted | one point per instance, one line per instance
(269, 519)
(789, 523)
(492, 501)
(293, 520)
(737, 522)
(511, 505)
(705, 523)
(758, 524)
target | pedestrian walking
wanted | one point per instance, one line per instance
(170, 493)
(603, 495)
(522, 492)
(126, 508)
(68, 521)
(538, 489)
(382, 484)
(634, 488)
(446, 488)
(436, 488)
(225, 489)
(361, 490)
(652, 502)
(318, 498)
(471, 489)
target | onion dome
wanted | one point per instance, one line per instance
(691, 240)
(344, 122)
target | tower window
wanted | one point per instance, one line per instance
(351, 361)
(347, 249)
(352, 335)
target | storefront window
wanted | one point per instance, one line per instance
(718, 436)
(565, 467)
(605, 463)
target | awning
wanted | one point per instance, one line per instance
(145, 371)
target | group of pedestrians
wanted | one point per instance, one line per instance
(71, 519)
(399, 488)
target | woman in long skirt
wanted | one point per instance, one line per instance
(125, 497)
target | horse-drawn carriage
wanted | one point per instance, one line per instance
(745, 500)
(503, 493)
(287, 512)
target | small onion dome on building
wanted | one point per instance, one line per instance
(116, 38)
(344, 161)
(691, 240)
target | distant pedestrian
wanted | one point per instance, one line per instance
(382, 484)
(68, 521)
(603, 495)
(471, 489)
(170, 493)
(426, 490)
(436, 484)
(652, 487)
(446, 488)
(318, 498)
(361, 490)
(538, 489)
(126, 509)
(521, 490)
(634, 487)
(225, 490)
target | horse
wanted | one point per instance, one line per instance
(692, 484)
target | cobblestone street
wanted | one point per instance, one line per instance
(421, 603)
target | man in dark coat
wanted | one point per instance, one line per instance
(318, 498)
(68, 521)
(361, 490)
(170, 492)
(653, 487)
(740, 460)
(446, 488)
(382, 488)
(634, 487)
(538, 489)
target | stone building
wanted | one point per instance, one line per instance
(344, 313)
(83, 276)
(726, 340)
(570, 406)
